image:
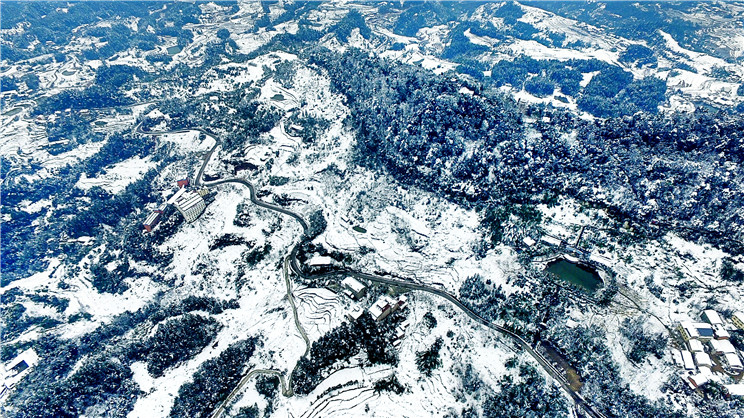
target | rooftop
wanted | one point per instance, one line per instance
(695, 345)
(732, 360)
(722, 346)
(713, 317)
(353, 284)
(736, 389)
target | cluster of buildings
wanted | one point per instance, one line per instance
(571, 248)
(379, 310)
(188, 201)
(385, 305)
(708, 350)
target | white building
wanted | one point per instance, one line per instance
(703, 360)
(735, 389)
(677, 357)
(720, 333)
(319, 261)
(695, 346)
(712, 317)
(551, 240)
(689, 364)
(733, 361)
(190, 203)
(697, 380)
(722, 347)
(695, 330)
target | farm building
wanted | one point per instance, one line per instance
(152, 220)
(16, 369)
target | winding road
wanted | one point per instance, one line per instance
(294, 265)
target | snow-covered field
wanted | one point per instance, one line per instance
(119, 176)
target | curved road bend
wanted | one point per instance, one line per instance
(287, 389)
(294, 265)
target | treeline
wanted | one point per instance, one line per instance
(586, 350)
(52, 24)
(342, 343)
(518, 311)
(213, 381)
(472, 148)
(104, 94)
(177, 340)
(56, 388)
(29, 238)
(527, 395)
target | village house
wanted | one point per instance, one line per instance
(354, 288)
(385, 306)
(354, 314)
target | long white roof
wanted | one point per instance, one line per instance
(687, 360)
(722, 346)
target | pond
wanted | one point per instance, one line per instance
(278, 97)
(173, 50)
(68, 73)
(359, 229)
(582, 276)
